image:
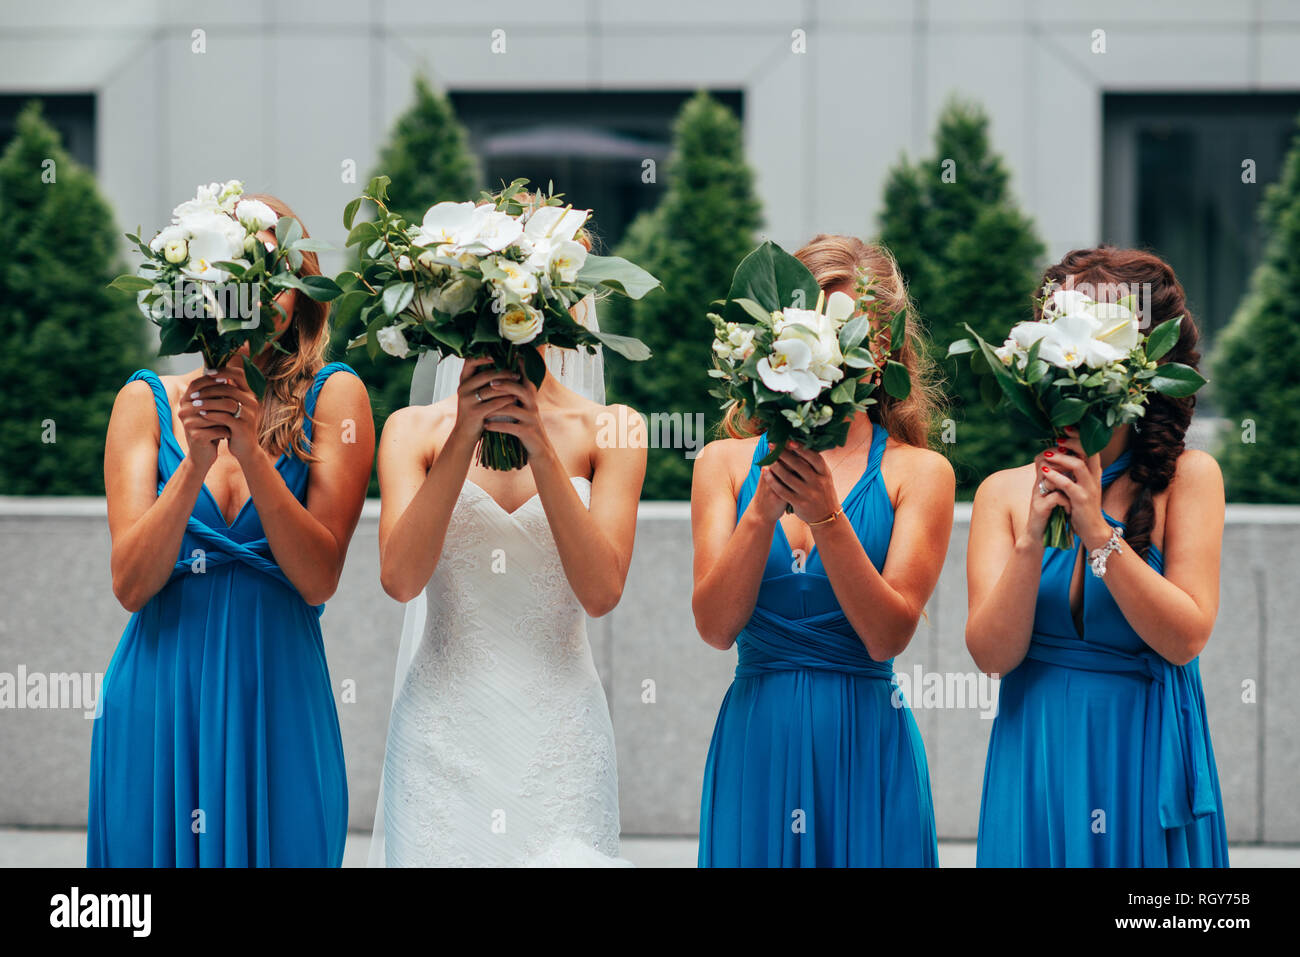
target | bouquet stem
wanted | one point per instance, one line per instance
(501, 452)
(1058, 533)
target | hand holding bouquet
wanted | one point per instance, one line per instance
(1084, 364)
(801, 372)
(489, 279)
(210, 283)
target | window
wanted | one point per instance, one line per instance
(591, 145)
(72, 114)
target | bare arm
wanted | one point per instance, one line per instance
(729, 555)
(882, 606)
(1003, 571)
(1173, 613)
(147, 528)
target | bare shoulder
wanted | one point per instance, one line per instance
(1005, 486)
(925, 465)
(1197, 472)
(343, 391)
(134, 404)
(727, 457)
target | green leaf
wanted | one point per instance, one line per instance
(131, 283)
(853, 332)
(770, 276)
(1176, 380)
(348, 307)
(1018, 395)
(256, 381)
(377, 188)
(534, 365)
(350, 212)
(175, 339)
(626, 346)
(321, 288)
(397, 297)
(1068, 411)
(287, 231)
(615, 272)
(896, 380)
(363, 232)
(309, 245)
(897, 331)
(1163, 337)
(1093, 434)
(961, 347)
(753, 310)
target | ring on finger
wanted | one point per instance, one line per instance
(477, 396)
(1043, 488)
(239, 408)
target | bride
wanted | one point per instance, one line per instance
(500, 749)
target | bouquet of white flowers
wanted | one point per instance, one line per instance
(210, 284)
(801, 372)
(1085, 364)
(493, 278)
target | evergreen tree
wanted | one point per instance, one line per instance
(969, 256)
(70, 342)
(692, 242)
(1257, 362)
(429, 161)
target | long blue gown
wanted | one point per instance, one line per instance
(218, 740)
(1100, 753)
(812, 764)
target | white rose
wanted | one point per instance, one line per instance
(519, 323)
(519, 279)
(255, 215)
(393, 342)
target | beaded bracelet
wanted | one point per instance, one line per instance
(1097, 557)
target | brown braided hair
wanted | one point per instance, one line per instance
(1158, 436)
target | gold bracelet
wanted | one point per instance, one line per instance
(830, 518)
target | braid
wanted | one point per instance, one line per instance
(1158, 438)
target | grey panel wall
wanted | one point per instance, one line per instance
(58, 614)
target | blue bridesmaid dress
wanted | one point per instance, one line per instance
(1100, 753)
(816, 760)
(217, 742)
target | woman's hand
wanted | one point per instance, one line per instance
(805, 482)
(223, 398)
(1041, 505)
(202, 435)
(1078, 477)
(524, 419)
(481, 394)
(769, 501)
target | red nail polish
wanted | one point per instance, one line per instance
(1046, 469)
(1048, 453)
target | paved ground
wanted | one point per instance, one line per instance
(22, 847)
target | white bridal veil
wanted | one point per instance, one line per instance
(436, 379)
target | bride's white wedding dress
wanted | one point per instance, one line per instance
(500, 748)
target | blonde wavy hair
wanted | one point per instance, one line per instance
(834, 260)
(289, 374)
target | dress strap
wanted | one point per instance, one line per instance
(1116, 468)
(879, 438)
(162, 401)
(309, 403)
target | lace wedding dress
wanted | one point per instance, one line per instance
(500, 748)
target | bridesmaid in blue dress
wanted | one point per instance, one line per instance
(816, 760)
(1100, 754)
(217, 743)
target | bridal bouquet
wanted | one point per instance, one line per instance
(799, 362)
(1085, 363)
(209, 283)
(494, 278)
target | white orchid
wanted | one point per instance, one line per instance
(554, 223)
(1071, 341)
(445, 224)
(786, 369)
(1118, 325)
(214, 237)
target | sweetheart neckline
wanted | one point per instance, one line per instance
(535, 496)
